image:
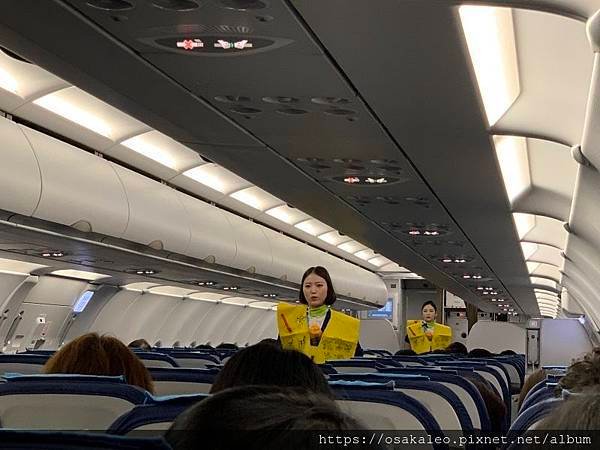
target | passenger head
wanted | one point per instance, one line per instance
(428, 311)
(493, 403)
(271, 341)
(204, 347)
(266, 364)
(92, 354)
(227, 346)
(142, 344)
(274, 415)
(578, 412)
(508, 352)
(317, 288)
(583, 373)
(405, 352)
(457, 347)
(534, 378)
(480, 353)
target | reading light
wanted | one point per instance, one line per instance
(206, 283)
(351, 180)
(145, 271)
(446, 260)
(490, 37)
(414, 232)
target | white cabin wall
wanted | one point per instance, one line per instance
(562, 341)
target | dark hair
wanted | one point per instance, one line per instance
(429, 302)
(480, 353)
(457, 347)
(322, 272)
(508, 352)
(577, 412)
(405, 352)
(267, 364)
(493, 403)
(271, 341)
(583, 373)
(227, 346)
(271, 417)
(141, 344)
(534, 378)
(204, 347)
(92, 354)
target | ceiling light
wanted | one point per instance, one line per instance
(514, 164)
(466, 277)
(460, 261)
(490, 38)
(365, 254)
(312, 227)
(543, 281)
(162, 149)
(351, 247)
(447, 260)
(494, 300)
(414, 232)
(256, 198)
(334, 238)
(79, 274)
(216, 177)
(286, 214)
(351, 180)
(206, 283)
(8, 83)
(378, 261)
(230, 288)
(62, 103)
(529, 248)
(370, 180)
(524, 223)
(431, 233)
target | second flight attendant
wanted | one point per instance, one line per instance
(426, 335)
(312, 327)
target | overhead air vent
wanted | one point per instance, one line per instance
(245, 110)
(281, 100)
(232, 99)
(419, 201)
(292, 111)
(176, 5)
(330, 101)
(110, 5)
(243, 5)
(340, 112)
(355, 172)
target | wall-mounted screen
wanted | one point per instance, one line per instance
(82, 301)
(383, 313)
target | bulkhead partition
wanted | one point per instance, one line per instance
(562, 341)
(51, 180)
(497, 336)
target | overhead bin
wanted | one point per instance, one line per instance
(211, 232)
(20, 181)
(156, 215)
(286, 267)
(77, 187)
(253, 252)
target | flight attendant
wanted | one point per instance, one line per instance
(426, 335)
(312, 327)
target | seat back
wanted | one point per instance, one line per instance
(68, 403)
(152, 359)
(545, 393)
(19, 440)
(182, 381)
(24, 363)
(156, 417)
(194, 360)
(529, 419)
(386, 410)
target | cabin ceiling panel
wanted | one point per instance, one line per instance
(434, 134)
(547, 231)
(587, 294)
(555, 66)
(547, 254)
(436, 118)
(547, 270)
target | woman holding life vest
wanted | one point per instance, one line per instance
(426, 335)
(312, 327)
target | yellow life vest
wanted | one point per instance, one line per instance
(338, 341)
(442, 336)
